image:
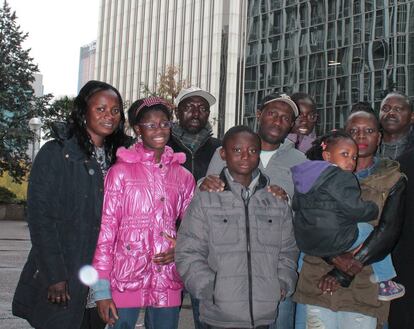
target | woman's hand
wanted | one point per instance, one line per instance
(58, 293)
(328, 284)
(347, 264)
(107, 311)
(164, 258)
(212, 183)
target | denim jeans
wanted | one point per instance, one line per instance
(319, 317)
(285, 316)
(195, 305)
(158, 318)
(383, 269)
(300, 316)
(207, 326)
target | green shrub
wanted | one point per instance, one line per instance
(7, 196)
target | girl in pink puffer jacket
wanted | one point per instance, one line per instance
(146, 193)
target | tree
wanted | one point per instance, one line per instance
(58, 111)
(168, 85)
(16, 96)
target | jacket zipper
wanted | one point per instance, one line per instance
(214, 288)
(189, 151)
(249, 260)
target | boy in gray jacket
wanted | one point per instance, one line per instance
(235, 249)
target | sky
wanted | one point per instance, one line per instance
(57, 29)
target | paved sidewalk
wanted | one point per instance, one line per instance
(14, 247)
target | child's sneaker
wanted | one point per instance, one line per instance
(389, 290)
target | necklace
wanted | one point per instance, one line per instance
(100, 156)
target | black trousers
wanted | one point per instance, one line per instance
(91, 319)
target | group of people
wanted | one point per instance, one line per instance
(259, 234)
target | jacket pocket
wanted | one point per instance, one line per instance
(268, 230)
(225, 230)
(132, 261)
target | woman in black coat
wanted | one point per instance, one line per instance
(401, 312)
(64, 203)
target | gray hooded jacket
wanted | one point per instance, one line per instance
(235, 254)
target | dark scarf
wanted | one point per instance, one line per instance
(192, 141)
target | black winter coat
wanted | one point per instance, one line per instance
(401, 315)
(64, 204)
(196, 162)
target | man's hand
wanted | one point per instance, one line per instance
(212, 183)
(164, 258)
(277, 192)
(347, 264)
(58, 293)
(282, 294)
(107, 311)
(328, 284)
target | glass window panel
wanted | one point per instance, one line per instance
(317, 38)
(379, 24)
(317, 12)
(357, 29)
(304, 14)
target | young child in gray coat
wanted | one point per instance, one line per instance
(235, 249)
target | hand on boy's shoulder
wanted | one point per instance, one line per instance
(278, 192)
(212, 183)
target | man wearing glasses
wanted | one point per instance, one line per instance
(192, 134)
(304, 132)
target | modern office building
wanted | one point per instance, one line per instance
(138, 39)
(86, 64)
(338, 51)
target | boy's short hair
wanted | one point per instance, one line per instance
(236, 130)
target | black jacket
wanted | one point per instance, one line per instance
(64, 204)
(403, 254)
(328, 205)
(196, 162)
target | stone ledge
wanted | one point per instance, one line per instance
(12, 211)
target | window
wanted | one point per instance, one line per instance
(317, 38)
(275, 48)
(317, 12)
(291, 18)
(357, 29)
(402, 18)
(332, 37)
(251, 78)
(379, 24)
(304, 42)
(275, 22)
(304, 15)
(275, 79)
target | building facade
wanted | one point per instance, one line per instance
(338, 51)
(86, 64)
(139, 39)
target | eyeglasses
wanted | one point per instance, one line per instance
(312, 117)
(153, 125)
